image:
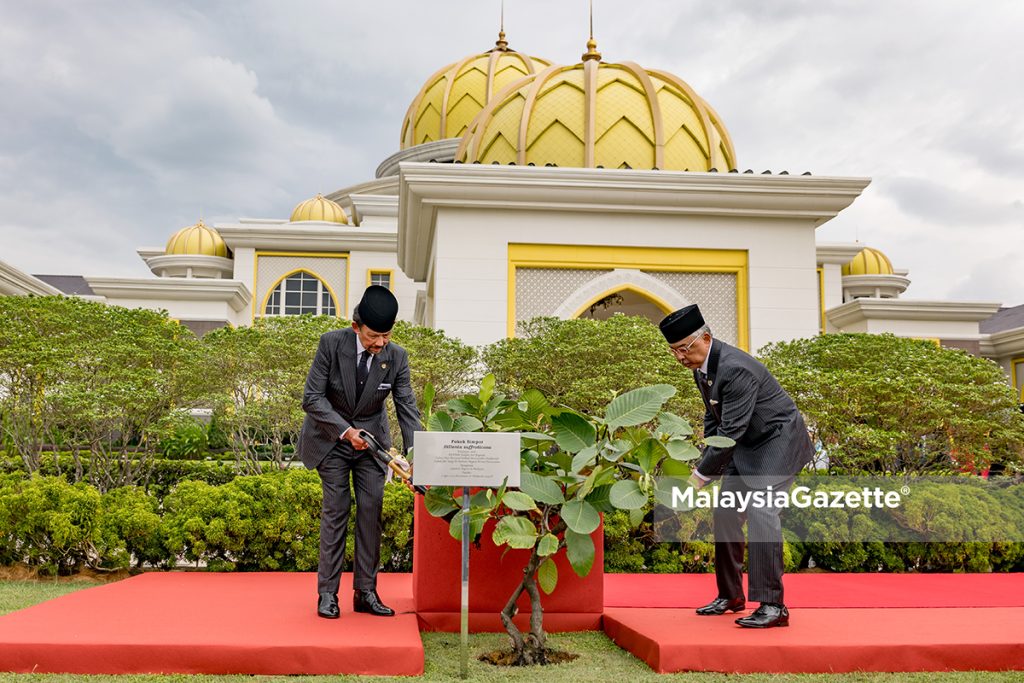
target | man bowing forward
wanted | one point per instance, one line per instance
(352, 374)
(744, 402)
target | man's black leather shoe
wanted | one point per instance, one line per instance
(369, 602)
(766, 616)
(721, 606)
(327, 606)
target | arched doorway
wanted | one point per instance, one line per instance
(627, 302)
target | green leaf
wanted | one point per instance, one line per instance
(541, 488)
(573, 432)
(675, 468)
(585, 457)
(580, 516)
(517, 532)
(673, 425)
(440, 422)
(589, 482)
(439, 501)
(428, 399)
(720, 442)
(476, 525)
(637, 406)
(536, 403)
(627, 495)
(517, 500)
(600, 498)
(486, 388)
(536, 436)
(648, 454)
(682, 450)
(580, 550)
(664, 486)
(548, 545)
(467, 423)
(547, 576)
(461, 405)
(636, 517)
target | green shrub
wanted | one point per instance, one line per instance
(49, 523)
(131, 531)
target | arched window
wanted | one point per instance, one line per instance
(301, 293)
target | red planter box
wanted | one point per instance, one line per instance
(575, 605)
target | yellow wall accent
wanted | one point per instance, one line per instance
(314, 254)
(1017, 375)
(270, 290)
(821, 296)
(665, 259)
(381, 271)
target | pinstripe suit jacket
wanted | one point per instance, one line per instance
(744, 402)
(330, 401)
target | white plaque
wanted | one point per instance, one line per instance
(466, 458)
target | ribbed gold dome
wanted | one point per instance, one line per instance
(597, 114)
(199, 240)
(448, 101)
(319, 208)
(869, 262)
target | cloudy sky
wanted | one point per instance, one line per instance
(121, 122)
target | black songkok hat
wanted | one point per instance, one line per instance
(378, 308)
(681, 324)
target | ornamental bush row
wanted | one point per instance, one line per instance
(267, 522)
(270, 522)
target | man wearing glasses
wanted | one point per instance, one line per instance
(744, 402)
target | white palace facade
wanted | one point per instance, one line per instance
(523, 188)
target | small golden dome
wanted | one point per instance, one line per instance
(596, 114)
(869, 262)
(319, 208)
(198, 240)
(452, 96)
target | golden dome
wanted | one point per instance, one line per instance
(869, 262)
(597, 114)
(199, 240)
(319, 208)
(448, 101)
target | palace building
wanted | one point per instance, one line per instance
(523, 188)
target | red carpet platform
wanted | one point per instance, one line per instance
(266, 624)
(212, 623)
(840, 623)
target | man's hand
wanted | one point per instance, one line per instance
(358, 443)
(696, 482)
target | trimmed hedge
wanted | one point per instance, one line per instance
(270, 522)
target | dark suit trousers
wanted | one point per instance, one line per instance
(764, 552)
(368, 481)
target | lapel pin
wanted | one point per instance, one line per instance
(383, 366)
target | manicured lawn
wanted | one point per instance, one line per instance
(600, 659)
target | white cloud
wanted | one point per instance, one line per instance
(123, 122)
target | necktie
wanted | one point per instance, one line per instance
(362, 371)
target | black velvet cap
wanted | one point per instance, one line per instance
(378, 308)
(681, 324)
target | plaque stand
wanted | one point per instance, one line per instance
(464, 639)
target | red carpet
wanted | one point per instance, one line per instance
(827, 590)
(212, 623)
(825, 640)
(266, 624)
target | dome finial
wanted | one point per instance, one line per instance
(591, 52)
(502, 44)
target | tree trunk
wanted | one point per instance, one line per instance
(528, 649)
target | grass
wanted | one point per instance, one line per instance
(600, 659)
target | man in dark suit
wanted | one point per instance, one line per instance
(353, 371)
(744, 402)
